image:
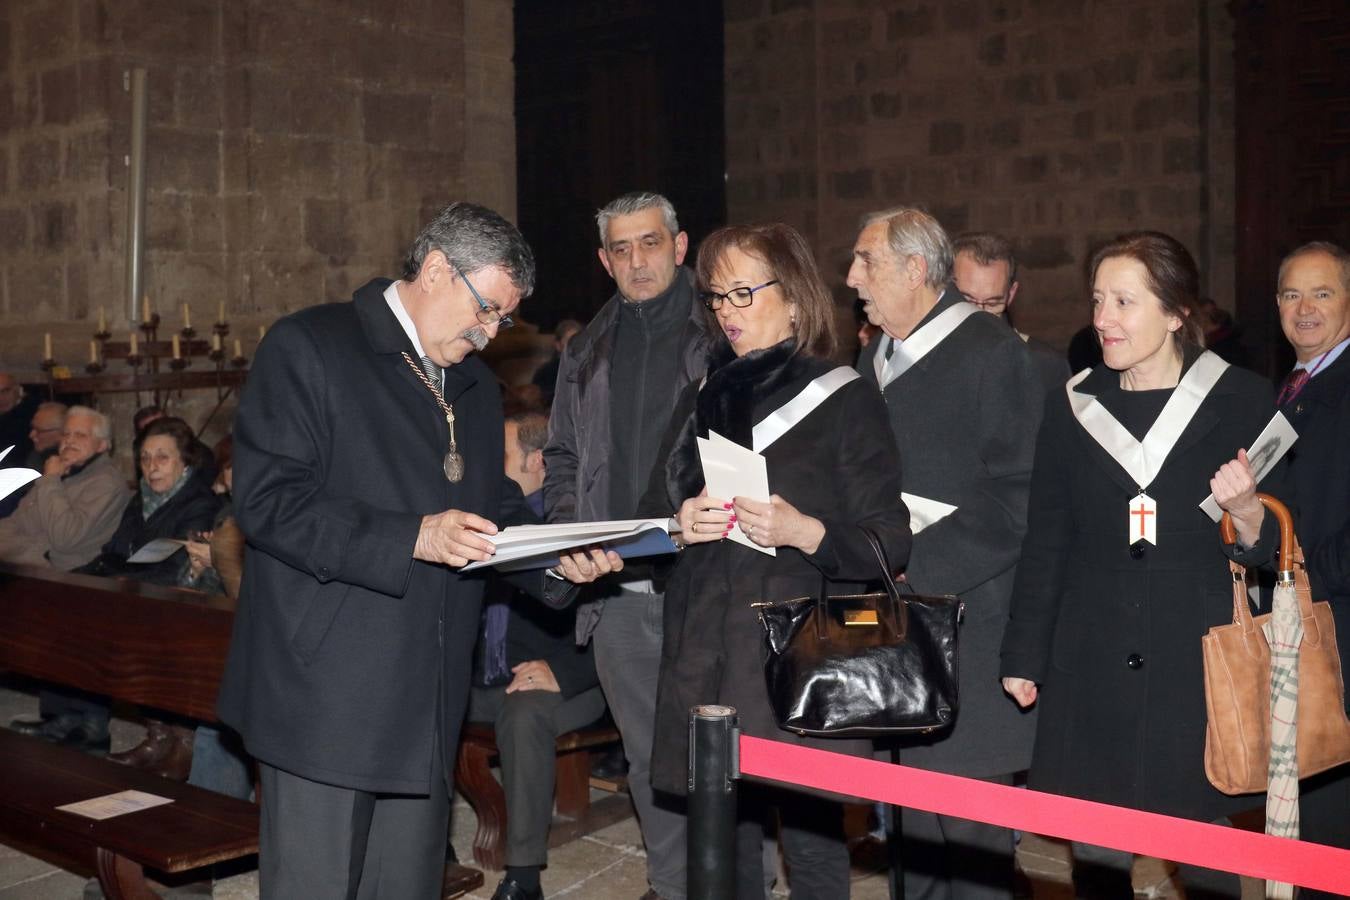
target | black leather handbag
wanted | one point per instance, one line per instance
(862, 664)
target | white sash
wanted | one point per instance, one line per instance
(916, 346)
(780, 421)
(1143, 459)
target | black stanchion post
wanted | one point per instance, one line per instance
(713, 770)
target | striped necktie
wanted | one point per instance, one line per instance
(1293, 383)
(433, 371)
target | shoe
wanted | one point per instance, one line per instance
(75, 731)
(459, 880)
(166, 751)
(29, 725)
(651, 894)
(509, 890)
(612, 765)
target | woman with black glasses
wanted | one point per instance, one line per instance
(832, 469)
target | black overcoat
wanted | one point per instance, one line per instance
(1319, 489)
(965, 419)
(343, 644)
(839, 464)
(1112, 635)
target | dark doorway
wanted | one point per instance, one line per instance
(612, 97)
(1293, 149)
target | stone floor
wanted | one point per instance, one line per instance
(606, 865)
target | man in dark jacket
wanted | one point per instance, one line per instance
(616, 391)
(965, 404)
(532, 682)
(1314, 303)
(984, 270)
(368, 470)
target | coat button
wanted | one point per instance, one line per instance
(1134, 661)
(323, 573)
(1137, 550)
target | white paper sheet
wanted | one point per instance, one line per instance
(731, 470)
(119, 804)
(1269, 448)
(537, 546)
(13, 479)
(155, 551)
(924, 512)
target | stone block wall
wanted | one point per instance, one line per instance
(1056, 122)
(294, 146)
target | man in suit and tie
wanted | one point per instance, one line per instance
(965, 403)
(1313, 297)
(368, 470)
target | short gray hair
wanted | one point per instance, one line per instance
(473, 237)
(913, 232)
(102, 427)
(1335, 251)
(633, 202)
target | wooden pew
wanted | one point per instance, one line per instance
(153, 646)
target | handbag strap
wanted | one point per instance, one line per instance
(887, 579)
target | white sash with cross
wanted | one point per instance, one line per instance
(1142, 460)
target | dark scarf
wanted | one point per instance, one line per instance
(735, 388)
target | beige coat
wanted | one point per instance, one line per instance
(64, 523)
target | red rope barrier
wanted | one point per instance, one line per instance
(1149, 834)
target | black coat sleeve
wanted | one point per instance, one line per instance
(868, 478)
(1040, 573)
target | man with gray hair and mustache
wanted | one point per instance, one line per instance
(965, 404)
(367, 473)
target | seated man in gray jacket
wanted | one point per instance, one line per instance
(63, 522)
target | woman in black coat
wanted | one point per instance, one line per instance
(1105, 627)
(173, 502)
(831, 472)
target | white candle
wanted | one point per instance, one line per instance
(215, 342)
(47, 346)
(135, 345)
(177, 349)
(238, 349)
(102, 320)
(222, 313)
(261, 332)
(187, 316)
(146, 310)
(93, 351)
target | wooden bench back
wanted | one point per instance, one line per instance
(141, 643)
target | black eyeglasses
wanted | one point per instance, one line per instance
(740, 297)
(486, 313)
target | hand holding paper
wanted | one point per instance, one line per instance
(730, 470)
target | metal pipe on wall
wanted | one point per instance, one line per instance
(134, 81)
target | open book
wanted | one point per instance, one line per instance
(537, 546)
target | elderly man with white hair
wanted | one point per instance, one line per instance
(63, 522)
(965, 401)
(74, 508)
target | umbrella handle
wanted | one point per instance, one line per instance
(1286, 520)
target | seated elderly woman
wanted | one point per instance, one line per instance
(171, 503)
(832, 472)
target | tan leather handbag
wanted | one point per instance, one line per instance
(1237, 679)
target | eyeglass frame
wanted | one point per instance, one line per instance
(989, 306)
(710, 298)
(487, 314)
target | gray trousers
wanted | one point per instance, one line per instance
(946, 858)
(526, 724)
(330, 843)
(628, 661)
